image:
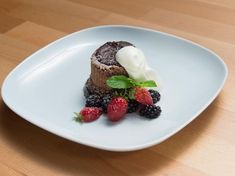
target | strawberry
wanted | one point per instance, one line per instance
(117, 108)
(88, 114)
(143, 96)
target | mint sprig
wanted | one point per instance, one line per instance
(148, 83)
(123, 82)
(119, 82)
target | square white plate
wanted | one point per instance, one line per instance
(46, 88)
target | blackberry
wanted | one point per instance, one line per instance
(93, 101)
(105, 101)
(133, 105)
(150, 111)
(155, 95)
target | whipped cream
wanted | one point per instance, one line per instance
(135, 63)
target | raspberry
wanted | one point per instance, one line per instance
(155, 95)
(150, 111)
(93, 101)
(133, 105)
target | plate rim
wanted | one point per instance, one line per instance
(104, 147)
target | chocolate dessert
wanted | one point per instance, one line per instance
(119, 84)
(103, 66)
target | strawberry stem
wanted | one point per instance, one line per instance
(131, 94)
(78, 117)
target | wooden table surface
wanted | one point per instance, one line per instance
(205, 147)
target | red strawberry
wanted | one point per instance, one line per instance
(88, 114)
(117, 108)
(143, 96)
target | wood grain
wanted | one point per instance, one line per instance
(204, 147)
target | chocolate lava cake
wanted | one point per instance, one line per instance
(103, 66)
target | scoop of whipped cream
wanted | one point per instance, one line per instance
(135, 63)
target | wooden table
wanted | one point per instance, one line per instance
(204, 147)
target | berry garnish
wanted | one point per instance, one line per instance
(117, 108)
(88, 114)
(142, 96)
(155, 95)
(105, 101)
(133, 105)
(93, 101)
(150, 111)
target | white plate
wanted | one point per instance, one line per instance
(46, 88)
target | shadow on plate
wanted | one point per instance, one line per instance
(63, 156)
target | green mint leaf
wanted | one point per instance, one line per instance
(119, 82)
(123, 82)
(149, 83)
